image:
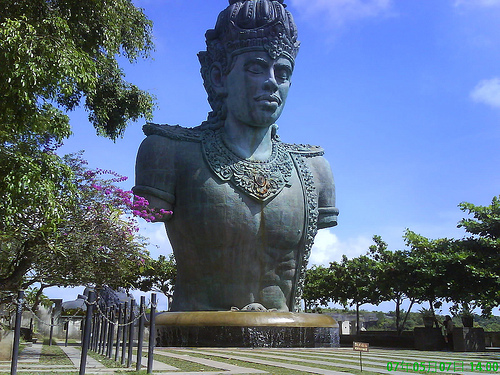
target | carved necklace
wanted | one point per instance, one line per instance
(261, 180)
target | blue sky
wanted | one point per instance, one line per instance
(404, 96)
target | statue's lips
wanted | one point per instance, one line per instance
(269, 99)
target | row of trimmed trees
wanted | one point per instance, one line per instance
(464, 272)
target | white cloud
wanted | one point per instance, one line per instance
(328, 248)
(339, 12)
(477, 3)
(487, 92)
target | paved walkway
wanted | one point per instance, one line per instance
(341, 361)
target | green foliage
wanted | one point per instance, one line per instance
(159, 275)
(485, 222)
(31, 182)
(318, 286)
(55, 53)
(478, 264)
(92, 242)
(96, 243)
(396, 274)
(34, 296)
(37, 188)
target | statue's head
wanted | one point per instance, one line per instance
(245, 26)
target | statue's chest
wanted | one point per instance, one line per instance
(261, 180)
(228, 211)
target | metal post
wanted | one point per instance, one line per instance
(104, 327)
(86, 334)
(140, 336)
(118, 331)
(51, 330)
(81, 331)
(66, 325)
(106, 331)
(111, 332)
(131, 333)
(152, 331)
(17, 332)
(95, 333)
(125, 331)
(98, 332)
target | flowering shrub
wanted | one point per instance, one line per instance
(80, 229)
(125, 199)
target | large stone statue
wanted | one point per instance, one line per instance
(246, 206)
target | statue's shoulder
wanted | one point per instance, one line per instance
(175, 132)
(304, 150)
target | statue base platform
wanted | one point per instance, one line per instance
(246, 329)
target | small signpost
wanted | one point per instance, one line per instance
(360, 347)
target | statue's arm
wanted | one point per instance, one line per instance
(155, 173)
(325, 187)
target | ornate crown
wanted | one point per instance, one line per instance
(249, 25)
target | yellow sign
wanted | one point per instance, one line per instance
(360, 346)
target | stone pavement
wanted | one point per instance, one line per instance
(341, 361)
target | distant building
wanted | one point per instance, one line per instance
(347, 321)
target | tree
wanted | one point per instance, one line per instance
(55, 53)
(159, 275)
(432, 264)
(463, 271)
(36, 189)
(350, 282)
(318, 285)
(477, 260)
(359, 283)
(396, 274)
(93, 243)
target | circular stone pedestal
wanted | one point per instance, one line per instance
(246, 329)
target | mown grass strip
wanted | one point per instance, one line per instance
(53, 355)
(109, 363)
(334, 366)
(269, 368)
(182, 364)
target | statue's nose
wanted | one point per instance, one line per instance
(270, 83)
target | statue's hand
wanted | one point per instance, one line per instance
(254, 307)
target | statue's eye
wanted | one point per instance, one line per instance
(282, 74)
(255, 69)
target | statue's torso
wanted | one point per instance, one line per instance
(239, 229)
(234, 248)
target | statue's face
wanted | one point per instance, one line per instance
(257, 87)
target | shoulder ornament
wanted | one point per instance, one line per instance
(175, 132)
(304, 150)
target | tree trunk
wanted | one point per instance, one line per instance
(358, 328)
(398, 312)
(13, 281)
(21, 265)
(406, 317)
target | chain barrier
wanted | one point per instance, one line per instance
(75, 314)
(137, 317)
(79, 310)
(153, 306)
(44, 323)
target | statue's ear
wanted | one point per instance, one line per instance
(217, 78)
